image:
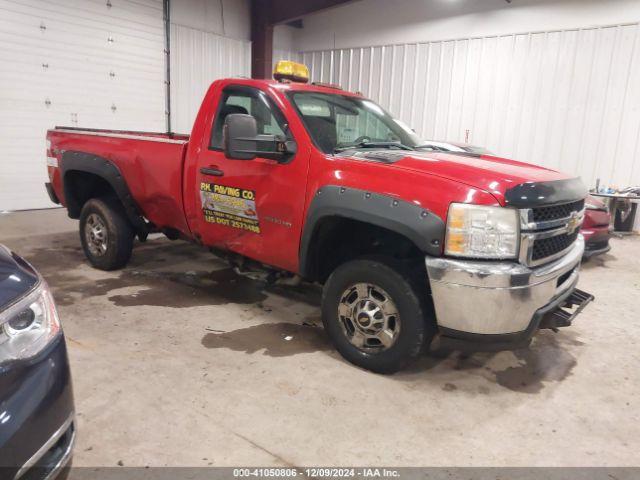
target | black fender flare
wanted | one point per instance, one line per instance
(421, 226)
(108, 171)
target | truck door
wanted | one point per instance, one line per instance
(252, 207)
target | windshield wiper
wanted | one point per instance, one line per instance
(381, 144)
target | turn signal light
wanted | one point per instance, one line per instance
(293, 71)
(456, 243)
(456, 218)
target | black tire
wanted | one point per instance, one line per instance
(119, 233)
(416, 326)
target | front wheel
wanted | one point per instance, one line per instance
(374, 315)
(106, 234)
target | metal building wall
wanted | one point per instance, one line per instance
(568, 100)
(283, 54)
(197, 59)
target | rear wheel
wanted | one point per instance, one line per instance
(106, 234)
(374, 315)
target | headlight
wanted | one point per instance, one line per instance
(592, 206)
(29, 325)
(482, 232)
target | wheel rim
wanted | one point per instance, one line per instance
(369, 318)
(95, 233)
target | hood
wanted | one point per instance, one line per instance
(510, 182)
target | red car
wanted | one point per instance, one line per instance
(413, 247)
(596, 227)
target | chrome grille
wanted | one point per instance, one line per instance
(555, 212)
(546, 247)
(548, 232)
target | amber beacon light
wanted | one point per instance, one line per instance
(292, 71)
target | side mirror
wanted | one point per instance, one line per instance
(239, 136)
(241, 141)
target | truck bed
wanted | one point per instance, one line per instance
(151, 136)
(150, 163)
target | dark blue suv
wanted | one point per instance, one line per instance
(37, 429)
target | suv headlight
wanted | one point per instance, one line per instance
(28, 325)
(482, 232)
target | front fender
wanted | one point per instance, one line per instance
(421, 226)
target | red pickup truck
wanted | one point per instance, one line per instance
(414, 248)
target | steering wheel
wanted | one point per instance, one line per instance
(361, 139)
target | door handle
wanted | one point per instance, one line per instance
(213, 171)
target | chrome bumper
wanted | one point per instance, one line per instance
(497, 297)
(51, 471)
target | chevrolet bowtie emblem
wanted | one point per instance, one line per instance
(573, 223)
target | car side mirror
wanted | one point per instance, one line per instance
(240, 141)
(238, 136)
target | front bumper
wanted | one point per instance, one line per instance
(499, 303)
(596, 240)
(36, 401)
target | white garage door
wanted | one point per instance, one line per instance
(85, 63)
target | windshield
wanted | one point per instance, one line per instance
(340, 122)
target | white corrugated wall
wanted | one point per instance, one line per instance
(197, 59)
(284, 54)
(73, 62)
(568, 99)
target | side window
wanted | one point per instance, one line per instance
(248, 101)
(319, 116)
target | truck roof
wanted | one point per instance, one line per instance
(292, 86)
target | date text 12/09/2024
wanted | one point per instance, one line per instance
(316, 472)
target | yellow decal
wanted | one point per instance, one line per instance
(229, 206)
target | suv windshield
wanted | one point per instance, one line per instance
(339, 122)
